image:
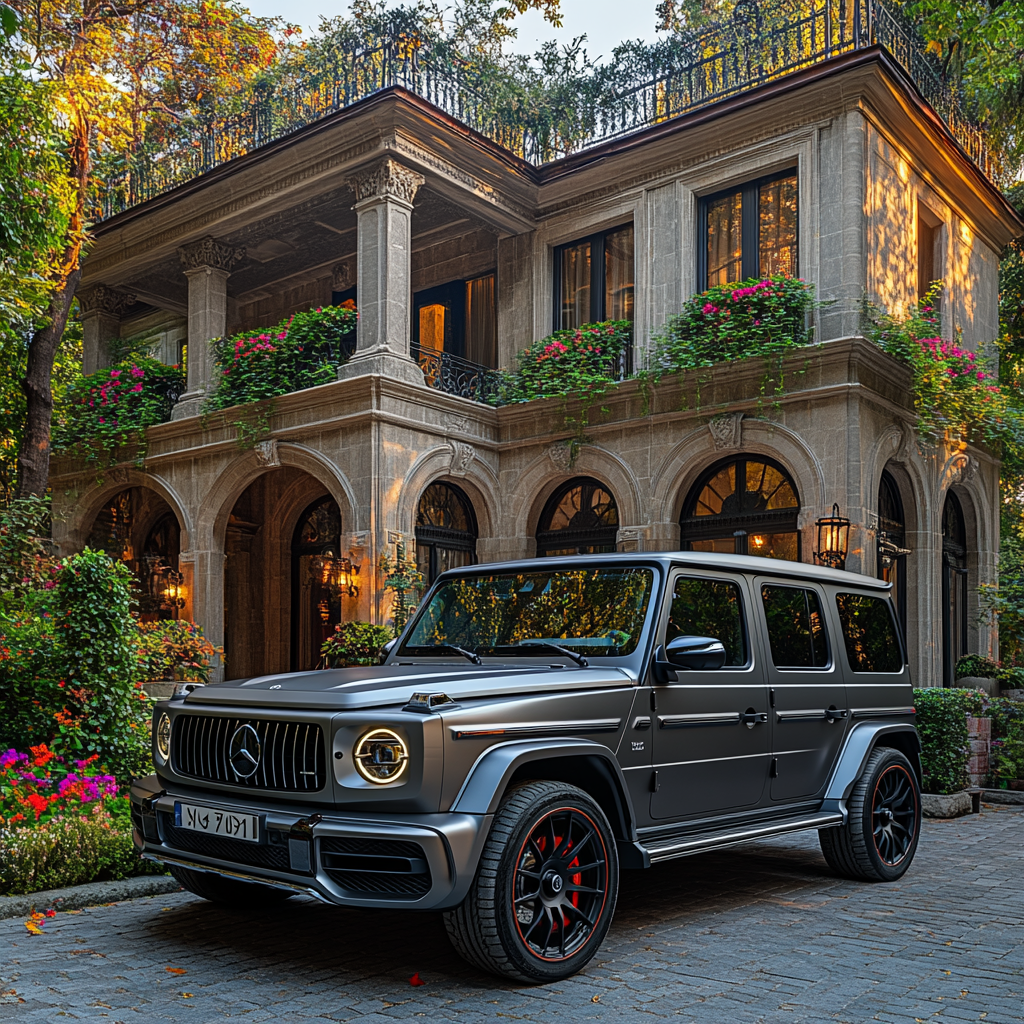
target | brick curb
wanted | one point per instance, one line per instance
(90, 895)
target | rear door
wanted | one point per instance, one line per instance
(710, 734)
(807, 694)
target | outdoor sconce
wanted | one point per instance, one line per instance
(339, 575)
(888, 552)
(173, 594)
(833, 540)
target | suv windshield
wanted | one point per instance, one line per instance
(598, 612)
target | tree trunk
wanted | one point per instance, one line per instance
(34, 453)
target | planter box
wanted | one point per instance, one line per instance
(1003, 796)
(947, 805)
(1012, 694)
(990, 686)
(158, 689)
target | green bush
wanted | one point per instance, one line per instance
(30, 694)
(977, 666)
(942, 725)
(1011, 678)
(355, 643)
(70, 850)
(1007, 746)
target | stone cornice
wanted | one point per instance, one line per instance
(101, 299)
(388, 180)
(208, 252)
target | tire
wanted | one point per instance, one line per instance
(498, 927)
(229, 891)
(880, 837)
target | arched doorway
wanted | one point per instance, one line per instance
(316, 601)
(892, 538)
(954, 587)
(446, 530)
(580, 518)
(747, 505)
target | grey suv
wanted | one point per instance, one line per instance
(538, 726)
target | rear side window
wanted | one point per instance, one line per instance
(796, 629)
(872, 644)
(703, 607)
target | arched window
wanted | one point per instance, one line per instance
(744, 506)
(445, 530)
(316, 604)
(892, 536)
(580, 518)
(954, 587)
(159, 560)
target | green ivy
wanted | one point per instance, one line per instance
(976, 666)
(942, 726)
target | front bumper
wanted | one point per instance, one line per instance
(418, 861)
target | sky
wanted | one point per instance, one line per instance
(605, 23)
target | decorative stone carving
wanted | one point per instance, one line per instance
(342, 277)
(962, 468)
(462, 457)
(267, 454)
(727, 431)
(208, 252)
(388, 180)
(118, 475)
(561, 456)
(629, 538)
(101, 299)
(457, 425)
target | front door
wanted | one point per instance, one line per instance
(808, 697)
(710, 734)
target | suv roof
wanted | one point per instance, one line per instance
(751, 564)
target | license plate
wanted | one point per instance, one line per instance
(217, 823)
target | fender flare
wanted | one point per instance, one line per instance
(856, 750)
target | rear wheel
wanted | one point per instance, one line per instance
(883, 826)
(545, 889)
(231, 891)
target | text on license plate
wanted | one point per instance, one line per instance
(217, 823)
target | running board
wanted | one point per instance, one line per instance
(676, 846)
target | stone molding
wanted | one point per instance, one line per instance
(267, 454)
(209, 253)
(462, 458)
(388, 180)
(561, 455)
(101, 299)
(727, 431)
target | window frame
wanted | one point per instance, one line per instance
(597, 273)
(750, 234)
(434, 537)
(897, 632)
(768, 581)
(748, 625)
(453, 295)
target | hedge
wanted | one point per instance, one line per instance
(942, 725)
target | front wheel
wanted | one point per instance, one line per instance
(545, 889)
(883, 824)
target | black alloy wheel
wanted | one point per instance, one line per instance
(894, 814)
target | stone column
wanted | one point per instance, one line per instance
(101, 311)
(384, 198)
(207, 265)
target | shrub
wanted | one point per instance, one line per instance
(28, 570)
(30, 694)
(301, 352)
(1011, 678)
(174, 649)
(355, 643)
(1007, 745)
(977, 666)
(942, 725)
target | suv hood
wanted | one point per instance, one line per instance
(375, 686)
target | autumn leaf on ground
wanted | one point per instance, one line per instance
(416, 979)
(175, 970)
(33, 928)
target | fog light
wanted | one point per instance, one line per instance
(381, 755)
(163, 737)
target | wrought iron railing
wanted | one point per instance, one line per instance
(753, 47)
(456, 376)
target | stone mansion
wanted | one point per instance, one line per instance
(460, 253)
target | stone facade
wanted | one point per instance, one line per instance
(392, 198)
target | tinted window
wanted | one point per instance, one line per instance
(703, 607)
(870, 634)
(796, 630)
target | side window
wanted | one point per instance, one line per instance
(870, 634)
(704, 607)
(796, 628)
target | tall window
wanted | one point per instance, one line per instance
(750, 231)
(954, 587)
(892, 534)
(581, 517)
(445, 530)
(929, 249)
(594, 279)
(316, 606)
(744, 506)
(458, 318)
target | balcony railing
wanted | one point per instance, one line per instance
(456, 376)
(672, 77)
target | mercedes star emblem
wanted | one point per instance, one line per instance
(244, 751)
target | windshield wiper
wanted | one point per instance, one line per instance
(548, 645)
(469, 655)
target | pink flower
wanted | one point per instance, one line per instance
(115, 374)
(138, 387)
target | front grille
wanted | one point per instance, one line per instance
(235, 850)
(376, 867)
(291, 753)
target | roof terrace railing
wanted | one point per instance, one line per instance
(755, 46)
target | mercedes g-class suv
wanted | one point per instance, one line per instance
(539, 725)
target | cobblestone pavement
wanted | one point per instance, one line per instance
(756, 933)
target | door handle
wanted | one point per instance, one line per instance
(835, 714)
(750, 718)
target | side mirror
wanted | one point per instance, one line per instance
(382, 654)
(695, 653)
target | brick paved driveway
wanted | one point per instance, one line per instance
(757, 933)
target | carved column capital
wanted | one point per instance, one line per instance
(208, 252)
(388, 180)
(101, 299)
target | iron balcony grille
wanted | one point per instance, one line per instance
(291, 757)
(454, 375)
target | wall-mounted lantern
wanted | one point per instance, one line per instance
(833, 540)
(339, 575)
(174, 591)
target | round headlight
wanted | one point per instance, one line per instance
(163, 736)
(381, 755)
